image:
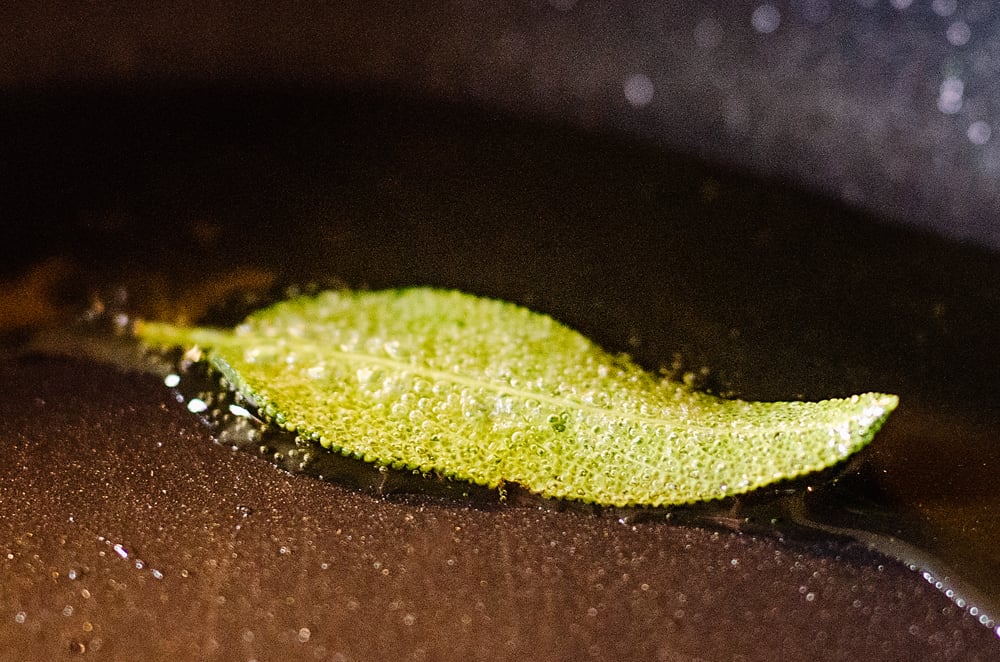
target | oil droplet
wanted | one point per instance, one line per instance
(958, 33)
(979, 133)
(944, 8)
(766, 19)
(237, 410)
(197, 406)
(639, 90)
(950, 96)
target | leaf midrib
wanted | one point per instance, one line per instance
(314, 348)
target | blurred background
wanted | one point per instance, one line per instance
(751, 195)
(887, 105)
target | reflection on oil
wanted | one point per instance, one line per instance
(834, 504)
(829, 505)
(783, 296)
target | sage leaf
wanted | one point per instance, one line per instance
(489, 392)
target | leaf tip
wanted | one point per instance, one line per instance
(882, 405)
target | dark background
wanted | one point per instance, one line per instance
(889, 105)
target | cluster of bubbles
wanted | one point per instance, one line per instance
(956, 596)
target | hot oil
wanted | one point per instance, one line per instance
(237, 423)
(848, 503)
(843, 504)
(783, 295)
(833, 505)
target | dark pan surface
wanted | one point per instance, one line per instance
(127, 530)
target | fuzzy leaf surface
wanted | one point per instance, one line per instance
(489, 392)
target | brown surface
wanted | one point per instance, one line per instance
(156, 199)
(257, 564)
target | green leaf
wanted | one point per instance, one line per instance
(492, 393)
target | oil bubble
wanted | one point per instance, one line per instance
(197, 406)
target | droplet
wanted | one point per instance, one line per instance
(639, 90)
(958, 33)
(944, 7)
(765, 19)
(197, 406)
(242, 412)
(950, 95)
(979, 133)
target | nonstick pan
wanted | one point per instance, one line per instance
(198, 193)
